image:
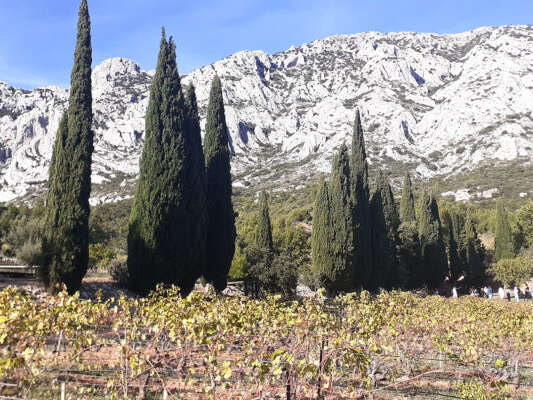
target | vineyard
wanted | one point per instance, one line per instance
(392, 346)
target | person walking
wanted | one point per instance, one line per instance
(516, 294)
(489, 292)
(501, 293)
(454, 292)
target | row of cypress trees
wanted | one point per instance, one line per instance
(362, 241)
(182, 224)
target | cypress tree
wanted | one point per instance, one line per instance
(473, 252)
(433, 252)
(455, 225)
(360, 206)
(410, 271)
(503, 239)
(160, 245)
(195, 182)
(385, 222)
(263, 236)
(409, 246)
(321, 240)
(341, 270)
(407, 203)
(221, 217)
(66, 237)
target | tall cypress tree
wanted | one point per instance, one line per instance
(455, 227)
(195, 182)
(385, 222)
(322, 239)
(433, 252)
(473, 253)
(503, 240)
(407, 203)
(160, 245)
(409, 246)
(263, 236)
(221, 217)
(341, 274)
(360, 206)
(66, 236)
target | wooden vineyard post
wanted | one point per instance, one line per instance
(63, 390)
(165, 394)
(58, 347)
(288, 391)
(319, 380)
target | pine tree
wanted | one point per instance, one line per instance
(385, 222)
(360, 207)
(473, 253)
(434, 260)
(263, 237)
(161, 248)
(321, 240)
(66, 237)
(407, 203)
(503, 239)
(341, 273)
(221, 217)
(195, 182)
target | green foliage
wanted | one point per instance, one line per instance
(118, 269)
(409, 271)
(472, 253)
(512, 271)
(221, 231)
(8, 217)
(108, 224)
(239, 264)
(66, 236)
(195, 185)
(360, 197)
(277, 273)
(100, 256)
(322, 238)
(340, 275)
(434, 260)
(407, 203)
(291, 238)
(162, 246)
(504, 245)
(385, 222)
(263, 236)
(524, 217)
(453, 225)
(25, 237)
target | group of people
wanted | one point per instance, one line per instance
(516, 293)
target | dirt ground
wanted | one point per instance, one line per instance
(92, 283)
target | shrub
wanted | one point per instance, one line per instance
(7, 250)
(100, 256)
(276, 273)
(512, 271)
(239, 265)
(31, 253)
(118, 269)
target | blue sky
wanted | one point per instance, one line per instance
(38, 36)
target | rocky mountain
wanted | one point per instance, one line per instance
(434, 104)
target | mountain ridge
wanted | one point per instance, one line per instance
(434, 104)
